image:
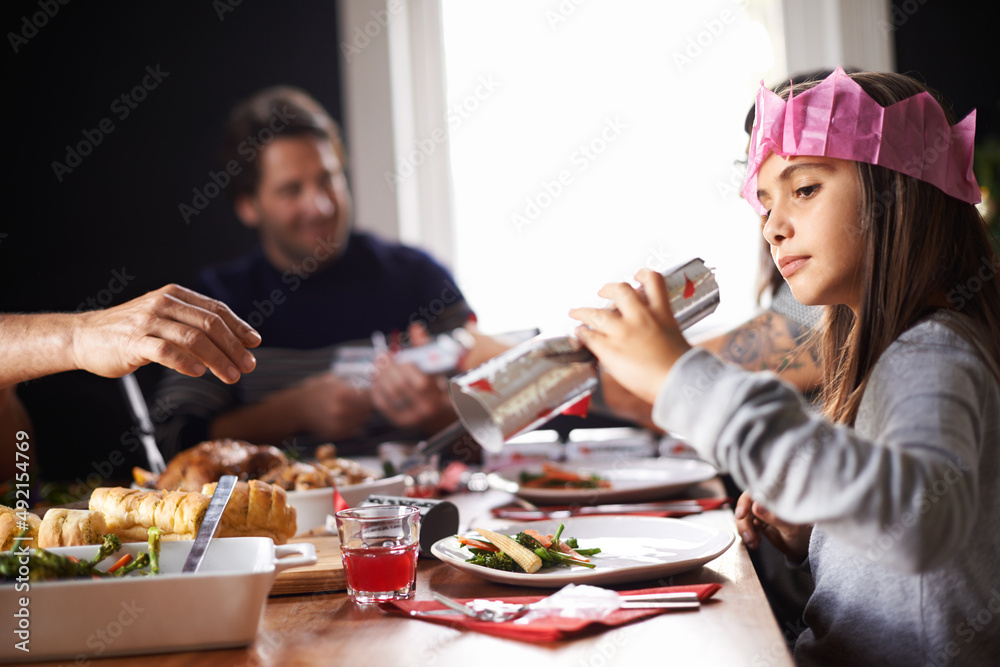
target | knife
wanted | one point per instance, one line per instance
(140, 412)
(223, 491)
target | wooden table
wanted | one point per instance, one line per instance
(735, 628)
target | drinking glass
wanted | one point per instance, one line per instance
(378, 546)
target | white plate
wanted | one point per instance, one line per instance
(312, 506)
(219, 607)
(631, 480)
(633, 548)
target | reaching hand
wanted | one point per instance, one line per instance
(172, 326)
(639, 341)
(754, 520)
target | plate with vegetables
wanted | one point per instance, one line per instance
(584, 550)
(620, 480)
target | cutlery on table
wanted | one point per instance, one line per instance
(496, 611)
(493, 611)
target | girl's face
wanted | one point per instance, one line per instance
(813, 225)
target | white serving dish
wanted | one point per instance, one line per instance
(312, 506)
(220, 606)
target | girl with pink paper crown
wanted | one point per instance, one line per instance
(892, 497)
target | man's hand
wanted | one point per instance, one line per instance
(324, 405)
(172, 326)
(330, 407)
(407, 396)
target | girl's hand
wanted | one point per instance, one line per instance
(754, 520)
(639, 341)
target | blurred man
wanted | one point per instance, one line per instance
(314, 285)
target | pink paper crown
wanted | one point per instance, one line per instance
(838, 119)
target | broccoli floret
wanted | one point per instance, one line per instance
(496, 560)
(571, 543)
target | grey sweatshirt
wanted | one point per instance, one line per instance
(906, 547)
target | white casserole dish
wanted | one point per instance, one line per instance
(218, 607)
(312, 506)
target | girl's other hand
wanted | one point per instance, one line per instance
(753, 520)
(638, 341)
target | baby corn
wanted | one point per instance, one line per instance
(523, 556)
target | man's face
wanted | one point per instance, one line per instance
(302, 206)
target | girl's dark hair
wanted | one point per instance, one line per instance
(282, 111)
(923, 249)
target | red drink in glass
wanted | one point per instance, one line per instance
(379, 547)
(381, 569)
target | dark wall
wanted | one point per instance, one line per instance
(952, 45)
(108, 227)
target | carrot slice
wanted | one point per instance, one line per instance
(122, 562)
(566, 549)
(476, 544)
(555, 472)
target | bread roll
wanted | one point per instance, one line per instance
(257, 509)
(9, 528)
(129, 513)
(71, 528)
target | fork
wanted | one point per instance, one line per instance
(490, 611)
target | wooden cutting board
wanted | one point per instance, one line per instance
(325, 576)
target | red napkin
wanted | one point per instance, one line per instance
(338, 501)
(549, 628)
(515, 512)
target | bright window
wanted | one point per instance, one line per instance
(591, 138)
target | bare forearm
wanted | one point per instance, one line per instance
(35, 345)
(771, 342)
(172, 326)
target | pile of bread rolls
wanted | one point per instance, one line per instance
(255, 509)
